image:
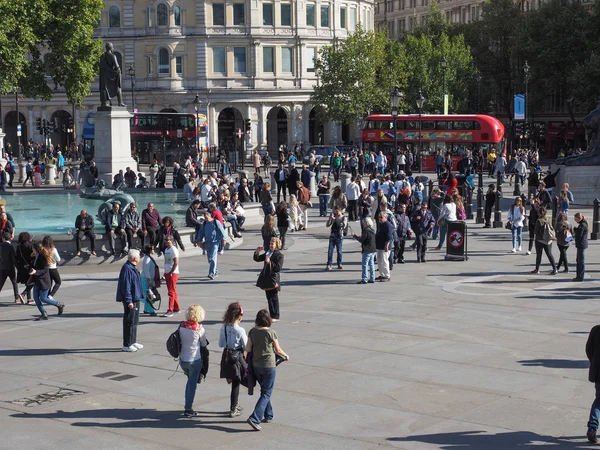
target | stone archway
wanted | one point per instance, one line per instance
(59, 126)
(316, 127)
(230, 122)
(10, 128)
(277, 129)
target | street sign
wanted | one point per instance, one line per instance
(19, 133)
(19, 127)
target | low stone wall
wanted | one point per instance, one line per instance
(584, 183)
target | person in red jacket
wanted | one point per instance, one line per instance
(217, 215)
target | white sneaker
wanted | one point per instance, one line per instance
(221, 252)
(131, 348)
(50, 297)
(528, 252)
(138, 346)
(168, 314)
(514, 250)
(519, 249)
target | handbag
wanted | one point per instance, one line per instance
(153, 298)
(441, 222)
(508, 225)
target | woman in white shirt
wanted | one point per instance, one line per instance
(54, 275)
(150, 276)
(192, 336)
(448, 214)
(516, 214)
(171, 275)
(233, 364)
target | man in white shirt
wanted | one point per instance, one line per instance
(205, 191)
(381, 163)
(352, 194)
(188, 189)
(171, 275)
(401, 162)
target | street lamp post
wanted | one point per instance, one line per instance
(444, 64)
(131, 72)
(526, 112)
(420, 102)
(478, 79)
(395, 98)
(197, 103)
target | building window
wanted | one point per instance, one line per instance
(268, 60)
(391, 29)
(352, 19)
(311, 54)
(267, 13)
(177, 15)
(114, 17)
(310, 15)
(239, 59)
(162, 16)
(219, 60)
(402, 4)
(287, 60)
(149, 17)
(218, 10)
(239, 17)
(325, 16)
(286, 15)
(179, 65)
(163, 62)
(149, 66)
(343, 17)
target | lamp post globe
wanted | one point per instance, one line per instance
(395, 98)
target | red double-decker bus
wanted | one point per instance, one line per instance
(453, 134)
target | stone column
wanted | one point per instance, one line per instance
(345, 178)
(22, 175)
(306, 125)
(262, 126)
(313, 184)
(50, 174)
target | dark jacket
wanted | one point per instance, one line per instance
(435, 206)
(285, 171)
(490, 200)
(150, 219)
(265, 197)
(422, 223)
(538, 231)
(7, 257)
(550, 179)
(292, 179)
(132, 220)
(581, 235)
(545, 198)
(305, 177)
(129, 287)
(364, 205)
(533, 179)
(24, 260)
(243, 193)
(88, 222)
(191, 217)
(532, 220)
(269, 276)
(403, 225)
(561, 228)
(41, 278)
(592, 350)
(109, 221)
(384, 235)
(282, 218)
(367, 240)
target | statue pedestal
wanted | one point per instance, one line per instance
(113, 143)
(22, 173)
(50, 174)
(584, 183)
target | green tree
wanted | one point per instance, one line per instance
(63, 29)
(356, 76)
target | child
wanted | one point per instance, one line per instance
(294, 209)
(490, 200)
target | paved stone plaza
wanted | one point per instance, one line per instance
(476, 355)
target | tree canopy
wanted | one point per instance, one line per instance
(62, 30)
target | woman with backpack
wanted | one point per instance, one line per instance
(564, 236)
(581, 243)
(516, 214)
(268, 279)
(544, 235)
(233, 340)
(193, 337)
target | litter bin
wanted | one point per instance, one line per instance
(456, 247)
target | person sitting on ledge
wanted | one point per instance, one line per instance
(68, 181)
(84, 225)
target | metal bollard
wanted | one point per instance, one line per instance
(430, 187)
(480, 218)
(554, 209)
(517, 190)
(469, 204)
(596, 221)
(497, 212)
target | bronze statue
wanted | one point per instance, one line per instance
(591, 157)
(110, 78)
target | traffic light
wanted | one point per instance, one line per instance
(527, 131)
(71, 122)
(248, 126)
(38, 124)
(518, 128)
(45, 127)
(542, 131)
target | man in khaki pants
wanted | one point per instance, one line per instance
(304, 202)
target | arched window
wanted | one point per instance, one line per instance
(177, 16)
(162, 15)
(119, 60)
(114, 17)
(164, 66)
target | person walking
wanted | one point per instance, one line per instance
(281, 176)
(592, 351)
(365, 203)
(532, 220)
(193, 338)
(209, 237)
(352, 194)
(403, 231)
(368, 250)
(581, 243)
(283, 222)
(304, 202)
(8, 264)
(516, 215)
(42, 281)
(24, 261)
(268, 231)
(264, 345)
(269, 279)
(150, 277)
(171, 275)
(422, 223)
(490, 200)
(129, 293)
(323, 192)
(266, 200)
(544, 235)
(48, 243)
(564, 236)
(339, 225)
(233, 340)
(383, 238)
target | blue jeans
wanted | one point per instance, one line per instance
(267, 210)
(335, 243)
(232, 219)
(580, 262)
(211, 254)
(368, 266)
(263, 408)
(443, 231)
(41, 296)
(517, 237)
(192, 370)
(323, 202)
(595, 411)
(436, 232)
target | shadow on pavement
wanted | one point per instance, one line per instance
(56, 351)
(557, 363)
